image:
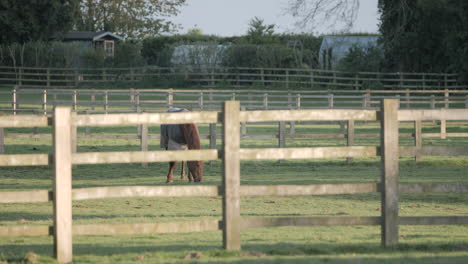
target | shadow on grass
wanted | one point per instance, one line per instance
(271, 253)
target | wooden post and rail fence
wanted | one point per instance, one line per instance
(227, 76)
(231, 190)
(20, 100)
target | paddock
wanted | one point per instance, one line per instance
(231, 190)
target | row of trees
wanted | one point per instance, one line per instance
(24, 20)
(416, 36)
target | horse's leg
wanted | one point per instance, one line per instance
(190, 175)
(182, 172)
(170, 174)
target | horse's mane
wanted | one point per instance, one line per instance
(191, 135)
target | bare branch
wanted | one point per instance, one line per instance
(331, 14)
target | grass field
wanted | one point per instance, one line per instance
(358, 244)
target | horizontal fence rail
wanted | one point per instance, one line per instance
(231, 154)
(226, 76)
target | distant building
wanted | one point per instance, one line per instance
(98, 40)
(335, 48)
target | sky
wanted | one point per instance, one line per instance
(231, 17)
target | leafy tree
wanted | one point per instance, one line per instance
(259, 33)
(23, 20)
(361, 59)
(136, 18)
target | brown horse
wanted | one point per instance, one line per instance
(182, 137)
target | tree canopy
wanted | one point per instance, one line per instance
(23, 20)
(136, 18)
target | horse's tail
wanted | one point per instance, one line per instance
(191, 135)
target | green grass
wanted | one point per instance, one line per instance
(357, 244)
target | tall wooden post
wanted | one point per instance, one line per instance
(106, 101)
(75, 100)
(407, 94)
(418, 139)
(14, 102)
(170, 98)
(231, 176)
(144, 141)
(200, 101)
(44, 101)
(443, 129)
(389, 181)
(63, 249)
(2, 140)
(212, 138)
(350, 137)
(243, 125)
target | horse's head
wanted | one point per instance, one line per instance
(196, 168)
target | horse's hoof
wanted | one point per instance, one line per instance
(169, 181)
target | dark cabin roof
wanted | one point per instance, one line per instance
(89, 36)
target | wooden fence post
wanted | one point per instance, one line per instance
(265, 101)
(446, 98)
(282, 134)
(350, 137)
(144, 141)
(262, 76)
(2, 140)
(330, 100)
(418, 139)
(14, 102)
(44, 101)
(389, 182)
(243, 125)
(93, 99)
(298, 101)
(212, 138)
(74, 137)
(231, 176)
(200, 101)
(443, 129)
(407, 93)
(63, 249)
(75, 100)
(87, 128)
(48, 77)
(106, 101)
(170, 98)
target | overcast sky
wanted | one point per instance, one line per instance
(231, 17)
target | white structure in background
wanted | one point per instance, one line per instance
(335, 48)
(201, 56)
